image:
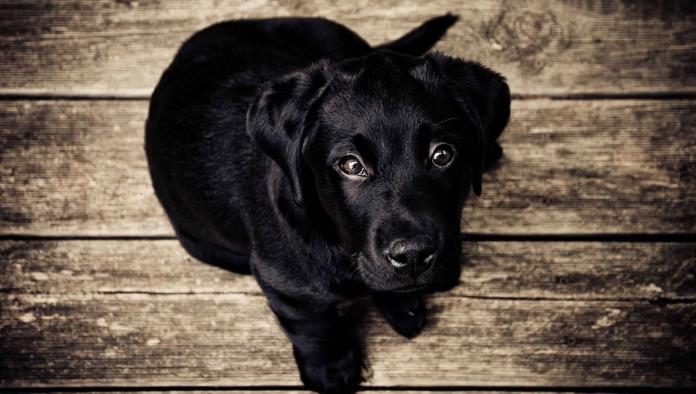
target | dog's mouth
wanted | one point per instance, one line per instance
(385, 282)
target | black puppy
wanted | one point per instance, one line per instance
(292, 149)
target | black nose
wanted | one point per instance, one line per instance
(412, 256)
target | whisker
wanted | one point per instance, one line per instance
(357, 268)
(468, 240)
(355, 263)
(446, 120)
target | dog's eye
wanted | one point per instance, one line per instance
(442, 155)
(350, 165)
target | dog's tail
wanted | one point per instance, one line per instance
(419, 40)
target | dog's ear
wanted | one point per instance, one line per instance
(485, 97)
(282, 114)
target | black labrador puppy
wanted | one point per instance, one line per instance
(292, 149)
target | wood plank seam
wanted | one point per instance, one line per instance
(657, 300)
(665, 95)
(466, 237)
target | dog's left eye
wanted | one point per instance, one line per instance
(351, 166)
(442, 155)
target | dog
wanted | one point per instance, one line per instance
(291, 149)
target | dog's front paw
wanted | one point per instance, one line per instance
(404, 313)
(337, 373)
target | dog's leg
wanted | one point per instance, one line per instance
(405, 313)
(328, 356)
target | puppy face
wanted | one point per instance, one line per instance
(392, 145)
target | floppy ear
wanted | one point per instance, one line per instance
(485, 96)
(281, 115)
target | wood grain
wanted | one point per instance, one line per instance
(65, 164)
(232, 339)
(134, 313)
(571, 167)
(532, 270)
(232, 390)
(119, 48)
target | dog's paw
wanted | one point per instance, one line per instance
(405, 314)
(330, 374)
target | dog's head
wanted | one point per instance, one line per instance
(389, 145)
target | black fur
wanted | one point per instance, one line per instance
(245, 138)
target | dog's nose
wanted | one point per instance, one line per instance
(411, 256)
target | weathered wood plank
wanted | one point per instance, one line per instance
(256, 391)
(232, 339)
(78, 168)
(550, 270)
(593, 167)
(544, 47)
(218, 390)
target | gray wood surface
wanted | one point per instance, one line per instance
(570, 167)
(550, 270)
(145, 339)
(138, 313)
(117, 48)
(218, 390)
(539, 315)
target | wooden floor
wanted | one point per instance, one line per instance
(584, 261)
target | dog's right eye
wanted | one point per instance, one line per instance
(351, 166)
